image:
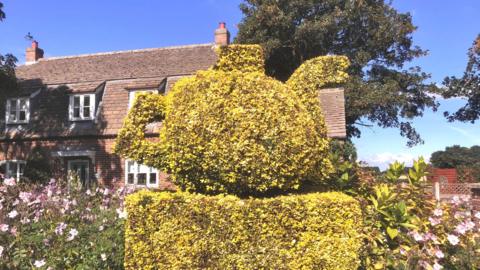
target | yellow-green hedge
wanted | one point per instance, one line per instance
(232, 129)
(187, 231)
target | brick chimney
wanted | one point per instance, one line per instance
(33, 53)
(222, 35)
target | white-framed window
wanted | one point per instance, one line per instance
(13, 168)
(140, 175)
(82, 107)
(133, 94)
(18, 110)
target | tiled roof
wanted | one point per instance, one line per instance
(147, 63)
(111, 76)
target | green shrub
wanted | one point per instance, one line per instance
(232, 129)
(188, 231)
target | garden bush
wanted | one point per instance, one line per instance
(232, 129)
(189, 231)
(58, 227)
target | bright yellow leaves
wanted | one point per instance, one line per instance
(232, 129)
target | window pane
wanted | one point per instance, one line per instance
(3, 168)
(130, 166)
(76, 101)
(141, 179)
(76, 112)
(23, 104)
(22, 116)
(12, 169)
(153, 178)
(86, 111)
(131, 178)
(21, 168)
(86, 100)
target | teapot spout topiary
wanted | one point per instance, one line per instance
(232, 129)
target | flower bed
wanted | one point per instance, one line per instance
(56, 227)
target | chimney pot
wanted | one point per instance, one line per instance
(222, 35)
(34, 44)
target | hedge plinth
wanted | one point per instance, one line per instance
(186, 231)
(232, 129)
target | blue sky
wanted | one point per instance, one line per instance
(446, 28)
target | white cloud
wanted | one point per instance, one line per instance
(382, 160)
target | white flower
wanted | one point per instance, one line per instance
(72, 233)
(477, 215)
(437, 266)
(104, 257)
(438, 212)
(10, 182)
(3, 227)
(101, 228)
(1, 251)
(453, 239)
(121, 213)
(39, 263)
(13, 214)
(418, 237)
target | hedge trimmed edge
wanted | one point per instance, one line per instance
(189, 231)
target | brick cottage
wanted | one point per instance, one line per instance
(70, 109)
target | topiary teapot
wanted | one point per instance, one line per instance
(233, 129)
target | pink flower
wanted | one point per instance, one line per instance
(437, 266)
(453, 239)
(439, 254)
(13, 214)
(4, 227)
(477, 215)
(25, 196)
(13, 231)
(461, 229)
(434, 221)
(60, 227)
(418, 237)
(456, 200)
(39, 263)
(438, 212)
(10, 182)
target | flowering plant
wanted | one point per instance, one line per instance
(58, 227)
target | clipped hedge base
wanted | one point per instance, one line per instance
(186, 231)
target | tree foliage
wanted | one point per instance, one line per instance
(455, 156)
(7, 71)
(372, 34)
(2, 14)
(466, 86)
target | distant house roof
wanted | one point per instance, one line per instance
(111, 76)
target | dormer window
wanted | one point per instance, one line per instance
(133, 94)
(82, 107)
(18, 110)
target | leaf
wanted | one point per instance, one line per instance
(392, 233)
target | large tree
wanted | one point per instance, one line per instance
(467, 86)
(374, 35)
(7, 71)
(455, 156)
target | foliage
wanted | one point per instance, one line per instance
(405, 229)
(188, 231)
(237, 131)
(55, 227)
(454, 156)
(372, 34)
(467, 86)
(2, 14)
(38, 169)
